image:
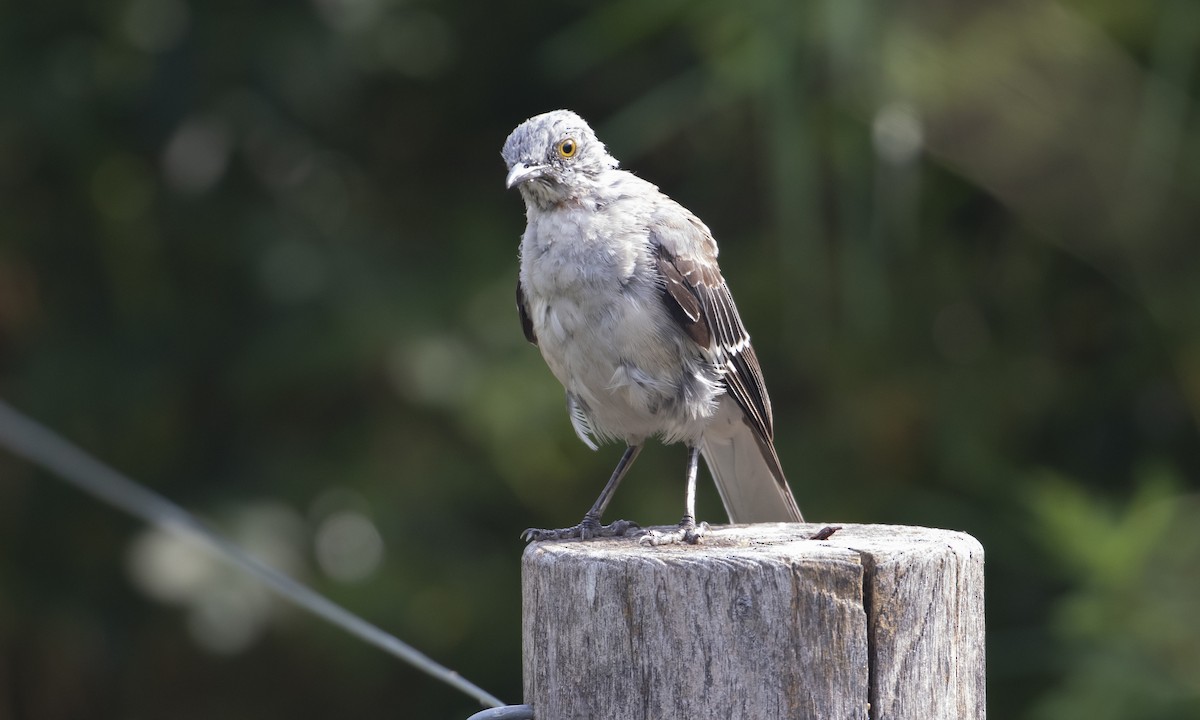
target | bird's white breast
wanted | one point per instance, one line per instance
(605, 332)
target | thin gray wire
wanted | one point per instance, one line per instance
(508, 712)
(41, 446)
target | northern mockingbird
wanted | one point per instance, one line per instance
(620, 290)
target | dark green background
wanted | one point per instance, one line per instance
(254, 252)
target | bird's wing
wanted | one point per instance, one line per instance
(737, 445)
(523, 312)
(700, 300)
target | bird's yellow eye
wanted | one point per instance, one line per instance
(567, 148)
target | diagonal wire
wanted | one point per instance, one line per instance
(508, 712)
(43, 447)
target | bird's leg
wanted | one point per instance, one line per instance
(688, 531)
(590, 526)
(691, 532)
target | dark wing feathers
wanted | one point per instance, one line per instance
(523, 311)
(699, 298)
(682, 298)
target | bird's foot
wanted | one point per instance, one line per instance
(688, 532)
(589, 528)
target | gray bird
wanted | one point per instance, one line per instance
(620, 290)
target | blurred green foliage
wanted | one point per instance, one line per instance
(259, 257)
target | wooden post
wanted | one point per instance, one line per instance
(757, 622)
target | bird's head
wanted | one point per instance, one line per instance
(554, 157)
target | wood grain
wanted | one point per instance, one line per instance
(757, 622)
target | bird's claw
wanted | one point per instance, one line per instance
(688, 533)
(586, 530)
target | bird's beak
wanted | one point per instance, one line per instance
(523, 173)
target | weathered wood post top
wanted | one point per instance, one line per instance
(757, 622)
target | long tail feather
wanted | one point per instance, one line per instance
(746, 470)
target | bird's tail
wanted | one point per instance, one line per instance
(746, 470)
